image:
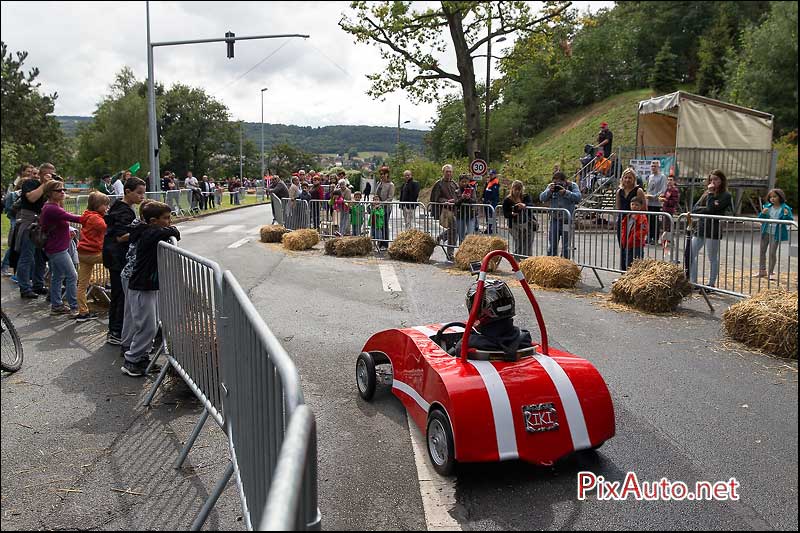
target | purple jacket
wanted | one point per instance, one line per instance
(55, 222)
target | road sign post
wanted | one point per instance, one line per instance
(478, 167)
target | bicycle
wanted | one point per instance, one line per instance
(10, 345)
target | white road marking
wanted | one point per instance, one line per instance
(195, 229)
(389, 279)
(240, 242)
(230, 229)
(438, 493)
(256, 230)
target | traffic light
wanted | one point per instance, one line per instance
(229, 40)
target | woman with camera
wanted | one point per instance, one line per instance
(522, 224)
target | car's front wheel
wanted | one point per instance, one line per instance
(439, 437)
(365, 376)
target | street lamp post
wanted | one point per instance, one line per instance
(398, 131)
(262, 132)
(241, 155)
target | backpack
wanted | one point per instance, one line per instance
(38, 235)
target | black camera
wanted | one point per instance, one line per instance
(557, 187)
(56, 177)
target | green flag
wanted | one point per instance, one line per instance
(135, 168)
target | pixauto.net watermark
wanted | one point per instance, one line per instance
(630, 488)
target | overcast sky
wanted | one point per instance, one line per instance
(80, 46)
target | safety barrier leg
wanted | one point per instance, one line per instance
(202, 516)
(190, 442)
(157, 384)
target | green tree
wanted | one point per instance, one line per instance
(27, 128)
(408, 39)
(285, 159)
(765, 75)
(663, 77)
(117, 136)
(195, 126)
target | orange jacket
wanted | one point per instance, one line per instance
(636, 236)
(93, 229)
(603, 165)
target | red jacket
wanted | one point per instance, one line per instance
(93, 228)
(637, 235)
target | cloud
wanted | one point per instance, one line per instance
(80, 46)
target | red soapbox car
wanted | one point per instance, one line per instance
(538, 405)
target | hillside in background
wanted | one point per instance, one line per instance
(562, 143)
(323, 140)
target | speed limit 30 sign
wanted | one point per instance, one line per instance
(478, 167)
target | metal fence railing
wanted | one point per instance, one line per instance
(610, 240)
(268, 425)
(218, 344)
(739, 256)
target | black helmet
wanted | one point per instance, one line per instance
(498, 301)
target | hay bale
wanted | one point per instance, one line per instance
(272, 233)
(301, 239)
(330, 246)
(652, 286)
(551, 272)
(352, 246)
(767, 321)
(475, 248)
(412, 245)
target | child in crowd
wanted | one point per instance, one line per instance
(773, 234)
(376, 216)
(115, 246)
(337, 203)
(90, 248)
(125, 278)
(357, 215)
(143, 285)
(634, 234)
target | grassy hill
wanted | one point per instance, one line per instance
(563, 142)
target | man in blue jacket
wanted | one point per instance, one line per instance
(563, 194)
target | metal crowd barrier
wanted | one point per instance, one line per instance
(535, 232)
(272, 435)
(450, 224)
(597, 236)
(732, 263)
(188, 301)
(295, 213)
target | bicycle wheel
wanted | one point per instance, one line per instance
(10, 345)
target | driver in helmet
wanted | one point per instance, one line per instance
(494, 324)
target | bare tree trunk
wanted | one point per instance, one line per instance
(467, 74)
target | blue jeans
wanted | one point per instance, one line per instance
(30, 266)
(712, 251)
(629, 255)
(464, 227)
(557, 233)
(62, 271)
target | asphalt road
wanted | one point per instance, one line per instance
(690, 405)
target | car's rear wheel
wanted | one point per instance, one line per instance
(365, 375)
(439, 437)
